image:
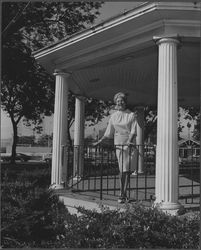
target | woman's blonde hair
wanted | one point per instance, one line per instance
(120, 94)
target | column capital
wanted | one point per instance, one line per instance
(61, 73)
(81, 98)
(174, 38)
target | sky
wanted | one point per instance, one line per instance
(109, 9)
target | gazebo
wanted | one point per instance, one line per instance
(151, 52)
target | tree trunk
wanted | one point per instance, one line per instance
(13, 155)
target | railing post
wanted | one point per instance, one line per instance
(64, 162)
(140, 138)
(79, 137)
(101, 175)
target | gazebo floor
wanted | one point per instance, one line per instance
(107, 195)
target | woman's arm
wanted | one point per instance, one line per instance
(130, 139)
(108, 133)
(133, 132)
(99, 141)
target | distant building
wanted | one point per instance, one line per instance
(189, 148)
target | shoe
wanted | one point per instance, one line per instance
(126, 199)
(134, 173)
(121, 200)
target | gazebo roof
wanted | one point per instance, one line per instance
(188, 142)
(120, 54)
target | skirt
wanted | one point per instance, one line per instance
(127, 156)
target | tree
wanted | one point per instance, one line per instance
(46, 22)
(95, 110)
(26, 140)
(196, 131)
(150, 114)
(27, 90)
(45, 140)
(193, 114)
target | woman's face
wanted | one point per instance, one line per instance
(120, 103)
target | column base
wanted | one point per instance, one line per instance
(56, 186)
(170, 208)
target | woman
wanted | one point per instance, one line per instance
(122, 126)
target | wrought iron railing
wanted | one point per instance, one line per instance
(189, 174)
(96, 169)
(99, 171)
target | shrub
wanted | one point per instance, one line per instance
(45, 222)
(42, 220)
(21, 187)
(34, 222)
(137, 227)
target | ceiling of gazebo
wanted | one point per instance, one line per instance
(121, 55)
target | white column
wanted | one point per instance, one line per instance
(79, 126)
(59, 153)
(140, 138)
(167, 140)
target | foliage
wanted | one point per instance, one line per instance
(20, 187)
(42, 140)
(39, 218)
(26, 139)
(137, 227)
(27, 90)
(180, 124)
(43, 23)
(150, 124)
(45, 140)
(193, 114)
(95, 110)
(43, 221)
(190, 113)
(196, 131)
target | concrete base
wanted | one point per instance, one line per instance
(170, 208)
(72, 204)
(57, 186)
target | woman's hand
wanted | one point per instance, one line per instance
(94, 144)
(130, 143)
(97, 143)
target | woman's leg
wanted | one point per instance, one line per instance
(121, 184)
(124, 178)
(122, 154)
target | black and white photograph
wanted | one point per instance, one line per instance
(100, 124)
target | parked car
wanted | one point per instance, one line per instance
(19, 157)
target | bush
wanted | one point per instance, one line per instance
(34, 222)
(137, 227)
(42, 220)
(45, 222)
(21, 186)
